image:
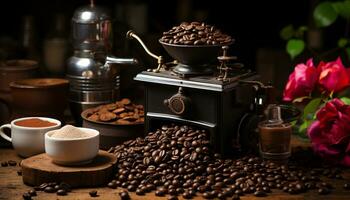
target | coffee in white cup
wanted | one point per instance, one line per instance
(28, 134)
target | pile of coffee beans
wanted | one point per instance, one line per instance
(177, 160)
(195, 33)
(121, 112)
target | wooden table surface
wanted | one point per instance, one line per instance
(12, 187)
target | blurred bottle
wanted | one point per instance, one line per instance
(56, 46)
(29, 48)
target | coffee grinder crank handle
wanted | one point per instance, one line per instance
(131, 35)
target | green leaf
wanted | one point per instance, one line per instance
(300, 32)
(342, 42)
(303, 127)
(295, 47)
(325, 14)
(348, 51)
(311, 108)
(342, 8)
(287, 32)
(346, 100)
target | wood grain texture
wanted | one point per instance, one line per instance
(40, 169)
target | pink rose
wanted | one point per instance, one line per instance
(330, 133)
(334, 77)
(301, 82)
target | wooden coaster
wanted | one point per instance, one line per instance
(40, 169)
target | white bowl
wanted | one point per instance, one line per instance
(72, 151)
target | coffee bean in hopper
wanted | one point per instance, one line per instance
(195, 33)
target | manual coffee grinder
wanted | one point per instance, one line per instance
(192, 90)
(93, 79)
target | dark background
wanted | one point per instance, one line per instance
(254, 24)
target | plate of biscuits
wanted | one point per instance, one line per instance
(117, 122)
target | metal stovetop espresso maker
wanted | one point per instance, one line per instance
(93, 81)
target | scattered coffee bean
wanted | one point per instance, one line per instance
(259, 194)
(172, 197)
(27, 196)
(236, 197)
(65, 186)
(32, 193)
(140, 192)
(19, 172)
(112, 185)
(61, 192)
(12, 163)
(124, 195)
(93, 193)
(4, 164)
(186, 195)
(323, 191)
(49, 189)
(160, 193)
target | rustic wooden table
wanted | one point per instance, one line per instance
(12, 187)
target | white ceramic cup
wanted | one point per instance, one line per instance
(28, 141)
(73, 151)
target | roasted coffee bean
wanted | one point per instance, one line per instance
(186, 195)
(61, 192)
(160, 193)
(323, 191)
(196, 34)
(346, 186)
(259, 194)
(57, 187)
(49, 189)
(112, 185)
(172, 197)
(12, 163)
(65, 186)
(140, 192)
(32, 193)
(93, 193)
(124, 195)
(236, 197)
(207, 195)
(19, 172)
(27, 196)
(4, 164)
(131, 188)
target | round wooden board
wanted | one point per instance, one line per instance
(40, 169)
